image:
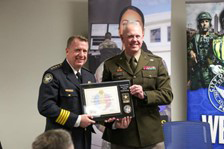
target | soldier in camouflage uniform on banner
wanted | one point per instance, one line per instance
(201, 68)
(107, 43)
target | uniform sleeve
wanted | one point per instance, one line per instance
(48, 102)
(162, 95)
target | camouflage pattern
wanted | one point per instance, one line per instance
(200, 73)
(107, 43)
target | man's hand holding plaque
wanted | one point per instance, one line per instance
(120, 123)
(137, 91)
(86, 120)
(123, 122)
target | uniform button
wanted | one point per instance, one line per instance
(134, 77)
(150, 75)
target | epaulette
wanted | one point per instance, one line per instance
(86, 69)
(56, 66)
(153, 55)
(113, 57)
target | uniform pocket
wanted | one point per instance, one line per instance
(68, 93)
(118, 76)
(149, 79)
(149, 74)
(70, 100)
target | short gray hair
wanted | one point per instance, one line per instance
(53, 139)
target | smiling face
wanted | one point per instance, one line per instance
(129, 16)
(77, 53)
(132, 38)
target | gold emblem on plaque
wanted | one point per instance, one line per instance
(125, 98)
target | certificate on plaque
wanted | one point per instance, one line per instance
(107, 99)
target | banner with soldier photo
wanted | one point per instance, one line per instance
(205, 55)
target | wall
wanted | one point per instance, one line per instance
(33, 36)
(178, 60)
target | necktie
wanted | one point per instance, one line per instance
(133, 63)
(79, 77)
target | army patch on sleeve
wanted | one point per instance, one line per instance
(47, 78)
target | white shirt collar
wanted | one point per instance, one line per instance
(75, 71)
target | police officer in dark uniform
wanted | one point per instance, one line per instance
(198, 53)
(150, 88)
(59, 96)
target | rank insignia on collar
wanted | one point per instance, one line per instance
(47, 78)
(149, 68)
(119, 69)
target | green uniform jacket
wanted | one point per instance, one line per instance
(145, 128)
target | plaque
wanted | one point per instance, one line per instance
(107, 99)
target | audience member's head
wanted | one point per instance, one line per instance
(53, 139)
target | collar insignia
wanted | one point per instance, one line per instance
(119, 69)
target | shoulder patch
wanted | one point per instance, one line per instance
(56, 66)
(47, 78)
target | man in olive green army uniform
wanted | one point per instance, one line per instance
(198, 53)
(150, 88)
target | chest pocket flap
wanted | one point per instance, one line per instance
(118, 75)
(149, 73)
(68, 93)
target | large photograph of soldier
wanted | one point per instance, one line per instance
(204, 45)
(205, 60)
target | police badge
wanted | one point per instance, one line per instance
(47, 78)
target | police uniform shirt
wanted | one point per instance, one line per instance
(77, 123)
